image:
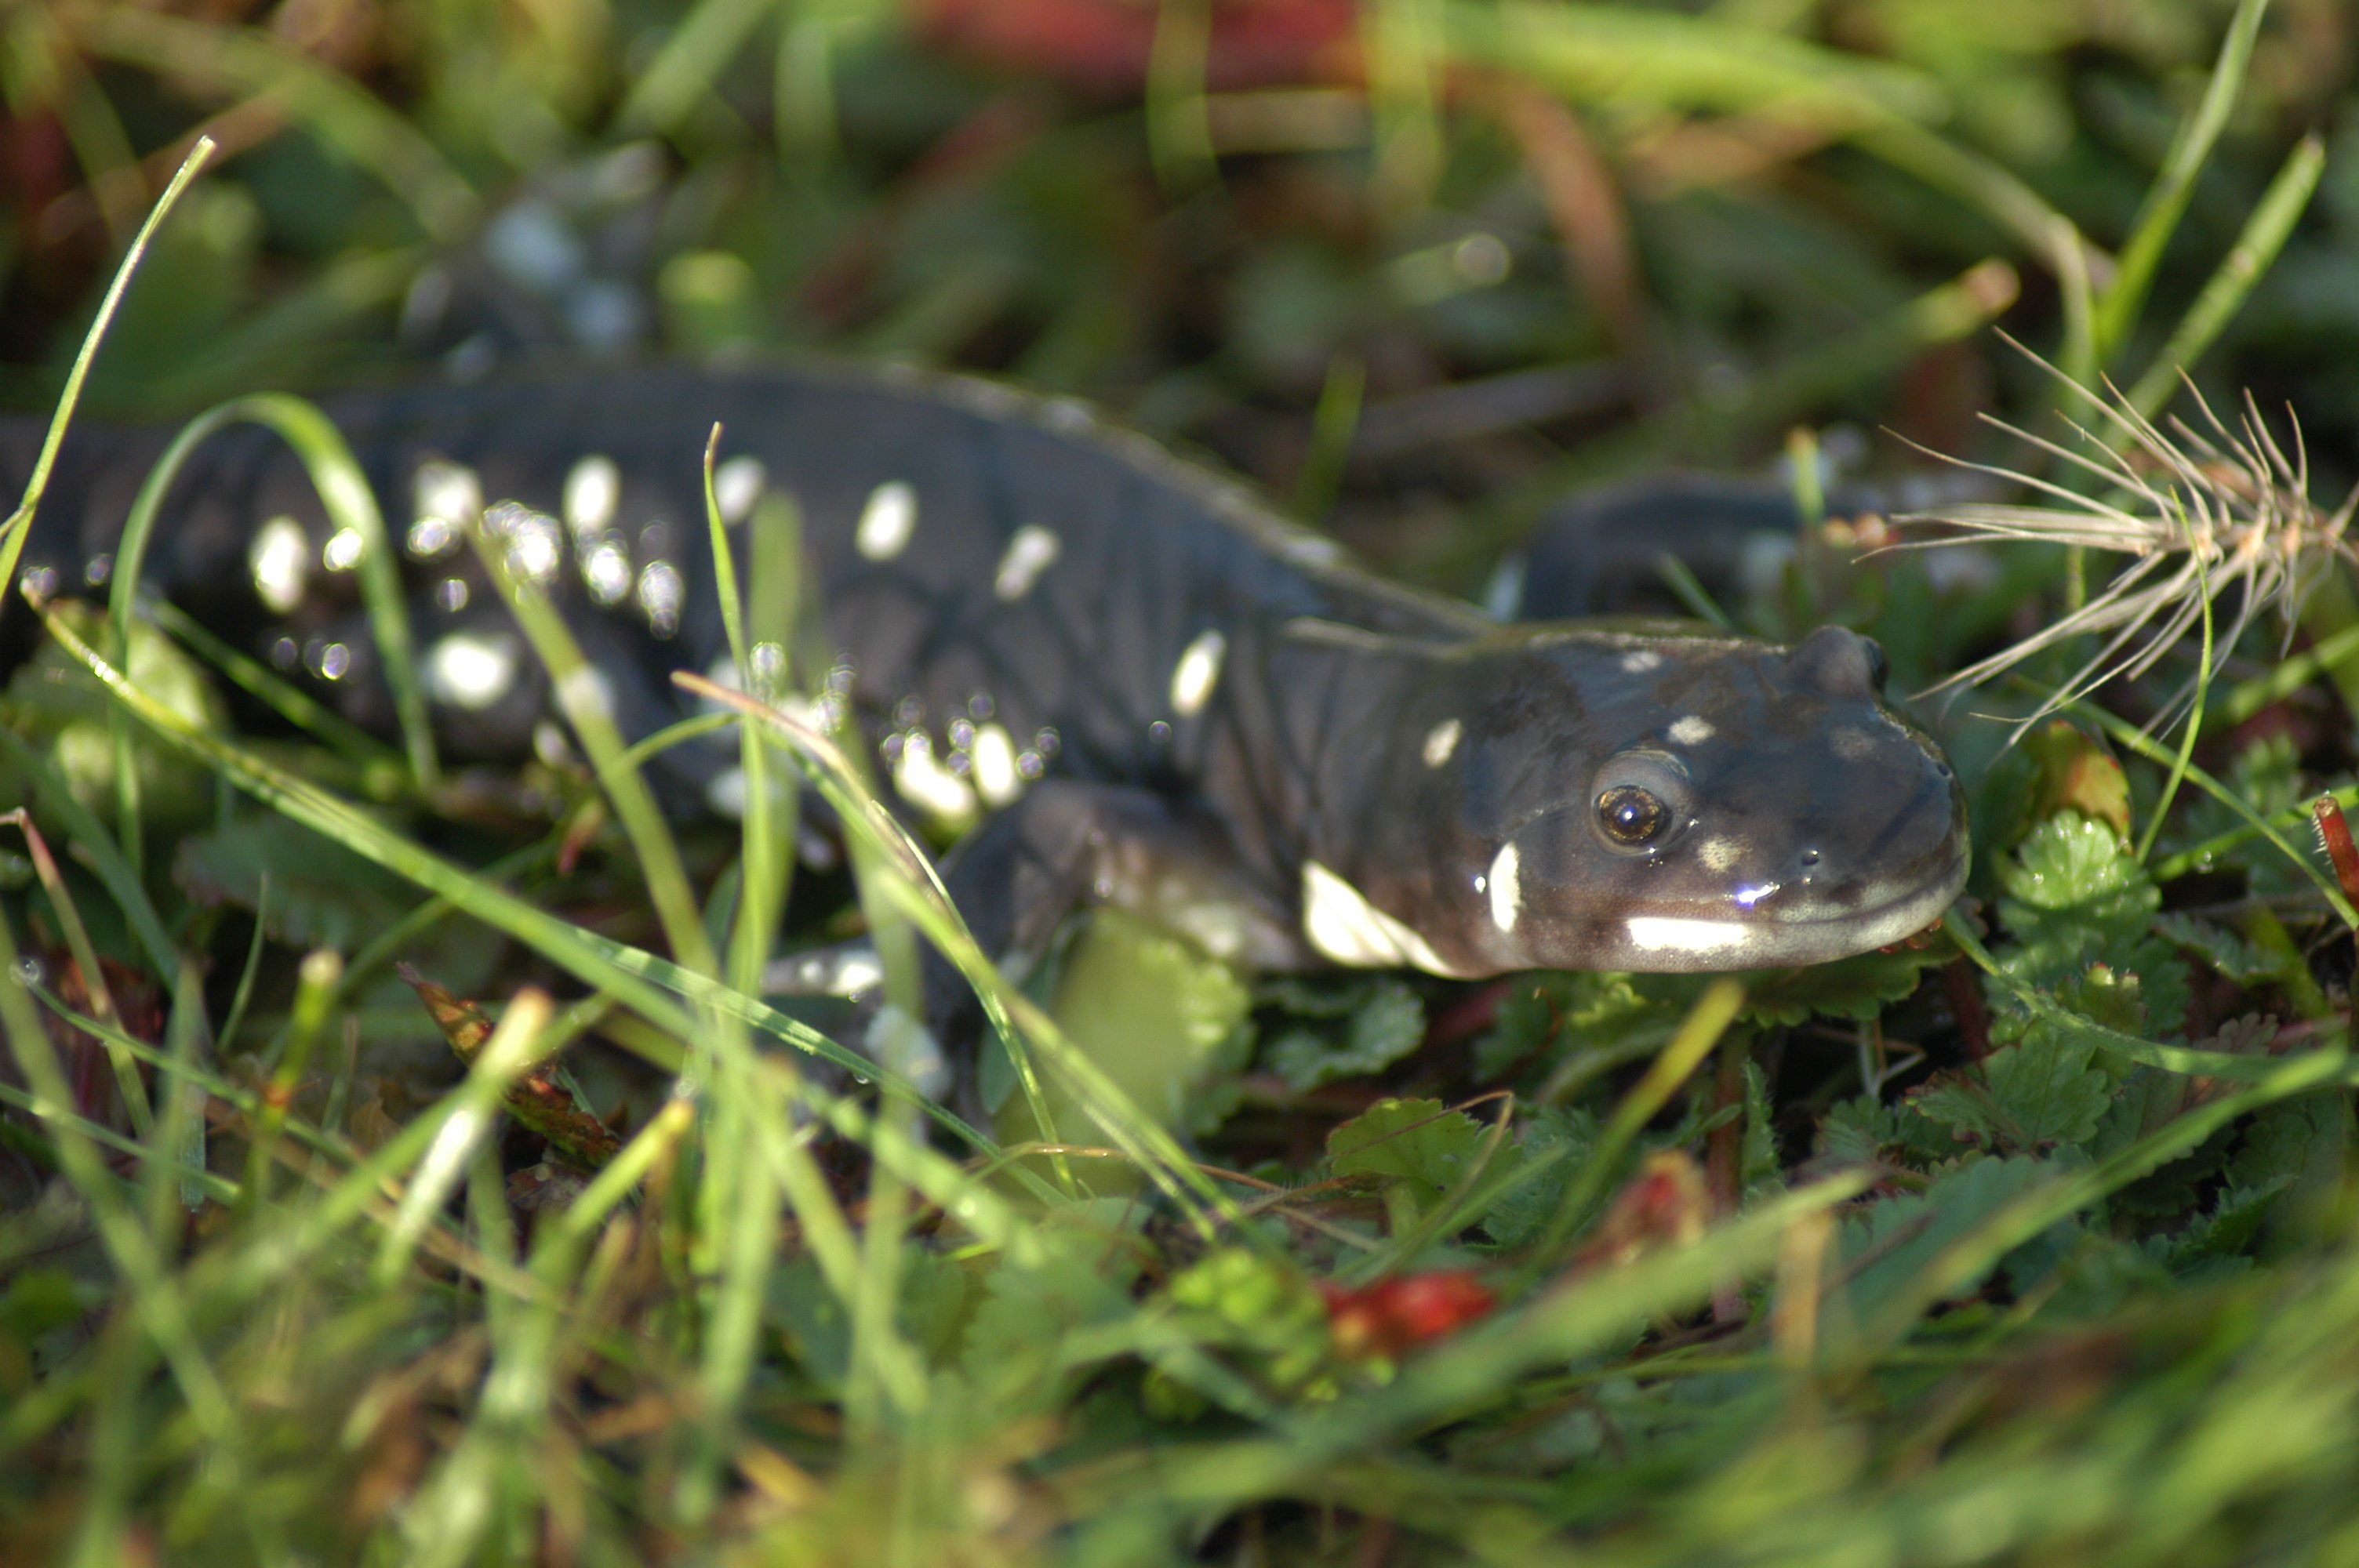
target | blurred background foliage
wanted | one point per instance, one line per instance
(1425, 262)
(1418, 267)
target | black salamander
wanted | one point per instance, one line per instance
(1160, 693)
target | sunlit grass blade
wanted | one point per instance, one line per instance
(1578, 1315)
(151, 1296)
(580, 695)
(351, 510)
(2165, 203)
(2258, 243)
(506, 1056)
(914, 885)
(645, 983)
(18, 526)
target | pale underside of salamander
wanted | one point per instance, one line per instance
(1158, 692)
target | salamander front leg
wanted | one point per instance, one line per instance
(1068, 846)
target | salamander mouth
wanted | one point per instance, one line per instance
(1904, 914)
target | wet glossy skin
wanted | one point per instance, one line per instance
(1663, 801)
(1160, 693)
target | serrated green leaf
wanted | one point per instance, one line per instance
(1554, 1016)
(1524, 1210)
(1854, 988)
(2228, 953)
(1011, 1351)
(2267, 776)
(2226, 1232)
(1885, 1248)
(1419, 1141)
(1759, 1168)
(1389, 1024)
(2074, 899)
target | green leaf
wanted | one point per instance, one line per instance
(2227, 1232)
(1553, 1017)
(1854, 988)
(1012, 1350)
(2076, 773)
(2074, 898)
(1886, 1248)
(55, 704)
(1385, 1026)
(2228, 953)
(1156, 1014)
(1415, 1141)
(322, 894)
(1759, 1169)
(1524, 1210)
(2267, 776)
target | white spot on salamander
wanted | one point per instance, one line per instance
(887, 521)
(606, 571)
(1505, 886)
(1442, 740)
(531, 542)
(1197, 673)
(662, 590)
(280, 558)
(594, 490)
(1639, 662)
(1854, 745)
(1031, 550)
(1345, 926)
(996, 777)
(342, 551)
(1719, 854)
(1690, 730)
(471, 671)
(831, 971)
(1680, 934)
(736, 486)
(446, 491)
(924, 782)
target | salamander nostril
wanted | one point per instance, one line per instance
(1808, 859)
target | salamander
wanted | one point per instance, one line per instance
(1155, 690)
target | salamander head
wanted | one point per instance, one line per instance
(1619, 801)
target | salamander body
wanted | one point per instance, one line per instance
(1158, 692)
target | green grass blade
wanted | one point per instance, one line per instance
(2165, 203)
(280, 77)
(19, 525)
(2262, 236)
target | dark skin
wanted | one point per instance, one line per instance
(1158, 692)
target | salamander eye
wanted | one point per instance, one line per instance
(1630, 815)
(1640, 800)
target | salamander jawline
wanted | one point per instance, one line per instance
(1719, 804)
